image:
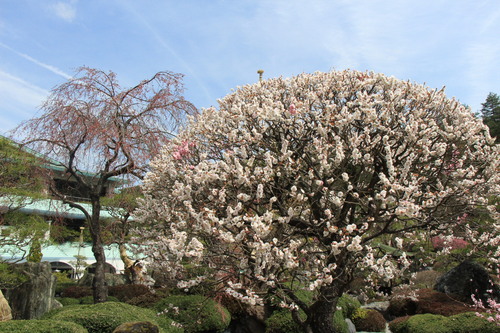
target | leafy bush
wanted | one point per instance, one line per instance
(65, 301)
(368, 320)
(430, 323)
(339, 322)
(125, 292)
(281, 321)
(196, 313)
(41, 326)
(348, 305)
(150, 299)
(76, 291)
(105, 317)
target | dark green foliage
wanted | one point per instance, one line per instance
(150, 299)
(65, 301)
(339, 323)
(10, 278)
(429, 323)
(491, 114)
(281, 321)
(86, 300)
(76, 291)
(105, 317)
(348, 305)
(35, 253)
(368, 320)
(195, 312)
(125, 292)
(41, 326)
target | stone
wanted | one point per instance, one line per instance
(379, 306)
(467, 279)
(35, 297)
(5, 310)
(350, 326)
(137, 327)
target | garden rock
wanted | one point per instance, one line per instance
(5, 311)
(33, 298)
(467, 279)
(350, 326)
(137, 327)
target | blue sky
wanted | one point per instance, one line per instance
(220, 44)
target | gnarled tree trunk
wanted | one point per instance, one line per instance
(99, 287)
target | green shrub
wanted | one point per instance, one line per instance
(76, 291)
(430, 323)
(86, 300)
(65, 301)
(41, 326)
(150, 299)
(348, 305)
(196, 313)
(105, 317)
(368, 320)
(125, 292)
(339, 322)
(281, 321)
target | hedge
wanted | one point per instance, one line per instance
(105, 317)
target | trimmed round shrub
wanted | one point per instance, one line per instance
(196, 313)
(150, 299)
(76, 291)
(125, 292)
(41, 326)
(368, 320)
(281, 321)
(466, 322)
(105, 317)
(65, 301)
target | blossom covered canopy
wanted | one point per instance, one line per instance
(292, 179)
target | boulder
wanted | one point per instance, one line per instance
(467, 279)
(35, 297)
(5, 311)
(137, 327)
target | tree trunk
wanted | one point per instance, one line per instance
(320, 319)
(133, 268)
(99, 287)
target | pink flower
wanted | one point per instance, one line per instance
(292, 109)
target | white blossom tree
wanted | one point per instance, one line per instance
(287, 185)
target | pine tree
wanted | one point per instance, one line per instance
(491, 114)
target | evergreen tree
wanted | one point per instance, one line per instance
(491, 114)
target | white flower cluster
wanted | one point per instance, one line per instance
(295, 177)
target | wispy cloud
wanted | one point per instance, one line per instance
(24, 98)
(65, 10)
(51, 68)
(21, 90)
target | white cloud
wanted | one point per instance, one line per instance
(65, 10)
(24, 100)
(21, 91)
(51, 68)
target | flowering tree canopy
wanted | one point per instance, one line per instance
(95, 130)
(289, 182)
